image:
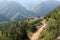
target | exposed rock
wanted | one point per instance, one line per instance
(58, 38)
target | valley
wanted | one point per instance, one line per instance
(41, 22)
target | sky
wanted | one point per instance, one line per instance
(58, 0)
(29, 3)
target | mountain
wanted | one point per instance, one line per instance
(15, 11)
(23, 29)
(3, 18)
(45, 7)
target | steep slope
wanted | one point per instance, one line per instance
(13, 10)
(45, 7)
(18, 30)
(53, 25)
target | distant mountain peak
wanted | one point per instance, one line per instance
(14, 11)
(44, 7)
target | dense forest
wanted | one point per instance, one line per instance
(21, 30)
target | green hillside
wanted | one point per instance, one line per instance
(19, 30)
(53, 28)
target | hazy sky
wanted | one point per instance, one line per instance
(28, 3)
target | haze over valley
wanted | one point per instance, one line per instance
(13, 10)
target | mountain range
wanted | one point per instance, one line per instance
(15, 11)
(45, 7)
(11, 10)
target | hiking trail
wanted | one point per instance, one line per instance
(36, 35)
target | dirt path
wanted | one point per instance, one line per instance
(36, 35)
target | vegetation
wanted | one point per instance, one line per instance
(19, 30)
(53, 28)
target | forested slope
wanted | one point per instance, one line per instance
(19, 30)
(53, 28)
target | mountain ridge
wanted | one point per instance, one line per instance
(45, 7)
(11, 9)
